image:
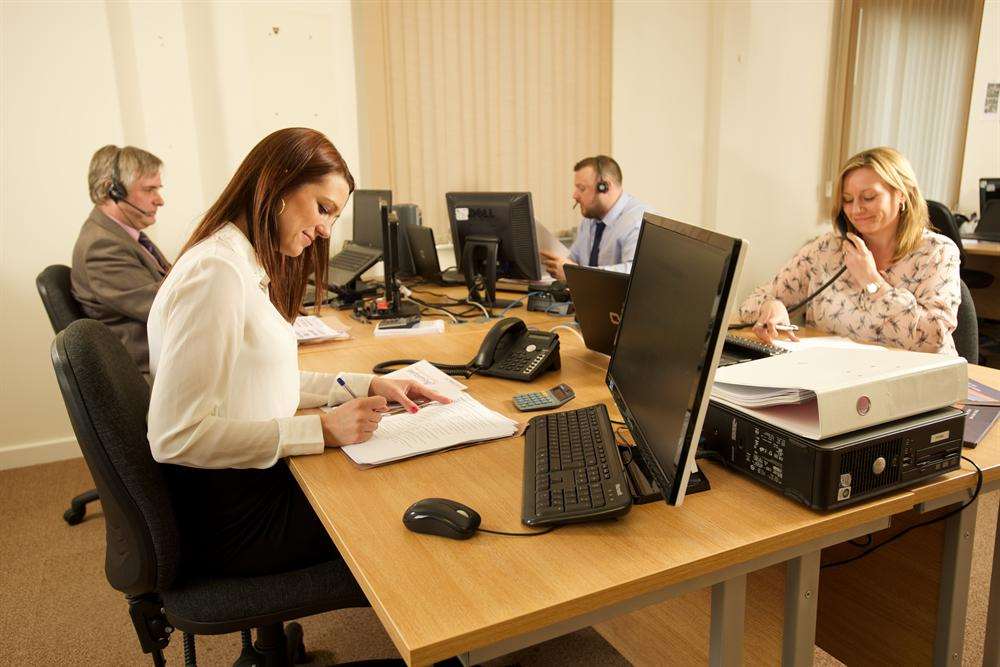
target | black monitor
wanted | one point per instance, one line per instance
(367, 219)
(989, 190)
(669, 340)
(494, 231)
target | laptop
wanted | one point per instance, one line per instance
(425, 258)
(597, 296)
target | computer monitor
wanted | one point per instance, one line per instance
(989, 190)
(494, 224)
(367, 219)
(669, 340)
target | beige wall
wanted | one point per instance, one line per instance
(196, 83)
(718, 117)
(982, 145)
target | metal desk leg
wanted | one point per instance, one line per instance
(953, 599)
(801, 602)
(991, 649)
(728, 612)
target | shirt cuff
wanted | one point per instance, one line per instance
(300, 435)
(357, 382)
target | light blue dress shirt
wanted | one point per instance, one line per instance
(619, 239)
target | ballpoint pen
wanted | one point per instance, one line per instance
(786, 327)
(343, 385)
(389, 411)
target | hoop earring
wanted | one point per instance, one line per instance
(282, 207)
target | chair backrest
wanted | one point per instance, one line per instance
(943, 220)
(966, 334)
(53, 285)
(107, 400)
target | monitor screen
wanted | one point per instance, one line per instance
(506, 216)
(368, 218)
(669, 340)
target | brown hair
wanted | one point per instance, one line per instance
(897, 173)
(280, 163)
(132, 163)
(605, 167)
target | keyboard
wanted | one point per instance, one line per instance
(740, 348)
(572, 469)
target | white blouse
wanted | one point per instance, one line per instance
(224, 362)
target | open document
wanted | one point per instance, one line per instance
(434, 427)
(311, 329)
(547, 242)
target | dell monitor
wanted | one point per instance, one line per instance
(494, 233)
(367, 219)
(669, 340)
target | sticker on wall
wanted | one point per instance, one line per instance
(461, 214)
(991, 105)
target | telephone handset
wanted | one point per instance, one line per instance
(511, 350)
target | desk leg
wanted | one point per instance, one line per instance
(801, 603)
(991, 649)
(728, 611)
(953, 599)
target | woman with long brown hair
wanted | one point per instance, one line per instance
(224, 361)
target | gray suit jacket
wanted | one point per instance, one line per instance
(115, 280)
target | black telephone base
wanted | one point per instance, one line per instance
(497, 303)
(643, 485)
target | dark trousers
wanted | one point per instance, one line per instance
(245, 522)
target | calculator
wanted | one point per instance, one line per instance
(543, 400)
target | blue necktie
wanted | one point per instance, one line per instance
(595, 249)
(148, 245)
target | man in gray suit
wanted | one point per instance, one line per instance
(116, 268)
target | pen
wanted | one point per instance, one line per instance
(343, 384)
(786, 327)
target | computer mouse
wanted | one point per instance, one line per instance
(440, 516)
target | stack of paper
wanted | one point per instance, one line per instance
(825, 342)
(431, 377)
(434, 427)
(421, 327)
(761, 397)
(311, 329)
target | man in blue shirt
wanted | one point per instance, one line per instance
(610, 229)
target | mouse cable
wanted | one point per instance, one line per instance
(804, 301)
(501, 532)
(975, 494)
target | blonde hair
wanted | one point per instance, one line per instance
(898, 174)
(132, 163)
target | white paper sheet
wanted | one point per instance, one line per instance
(547, 242)
(426, 374)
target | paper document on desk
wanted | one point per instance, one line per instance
(824, 342)
(419, 329)
(431, 377)
(311, 329)
(547, 242)
(434, 427)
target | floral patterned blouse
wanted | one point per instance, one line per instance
(918, 313)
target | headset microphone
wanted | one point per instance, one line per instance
(117, 192)
(145, 213)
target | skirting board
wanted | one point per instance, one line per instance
(20, 456)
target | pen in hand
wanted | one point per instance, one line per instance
(344, 386)
(786, 327)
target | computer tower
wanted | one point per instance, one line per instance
(840, 470)
(409, 216)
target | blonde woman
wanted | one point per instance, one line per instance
(900, 286)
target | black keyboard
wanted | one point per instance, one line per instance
(572, 469)
(350, 259)
(348, 264)
(741, 348)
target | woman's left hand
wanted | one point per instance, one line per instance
(404, 391)
(860, 262)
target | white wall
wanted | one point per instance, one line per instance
(198, 84)
(718, 117)
(982, 145)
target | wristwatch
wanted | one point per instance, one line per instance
(872, 288)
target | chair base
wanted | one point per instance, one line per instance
(78, 507)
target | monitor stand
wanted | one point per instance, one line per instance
(643, 485)
(479, 262)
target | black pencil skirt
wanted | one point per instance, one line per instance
(245, 522)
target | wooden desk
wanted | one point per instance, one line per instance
(983, 248)
(493, 594)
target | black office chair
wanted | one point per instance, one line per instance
(107, 399)
(966, 334)
(53, 285)
(944, 221)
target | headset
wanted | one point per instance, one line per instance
(117, 192)
(602, 185)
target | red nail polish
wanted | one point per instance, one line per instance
(413, 410)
